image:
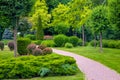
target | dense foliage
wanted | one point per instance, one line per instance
(22, 45)
(32, 66)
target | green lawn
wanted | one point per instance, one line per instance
(110, 57)
(7, 54)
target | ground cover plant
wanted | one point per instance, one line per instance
(35, 66)
(110, 57)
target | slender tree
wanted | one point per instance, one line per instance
(99, 21)
(14, 10)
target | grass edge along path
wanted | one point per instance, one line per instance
(93, 70)
(110, 57)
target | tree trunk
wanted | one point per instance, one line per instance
(101, 50)
(95, 41)
(15, 38)
(83, 36)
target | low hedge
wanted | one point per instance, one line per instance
(35, 66)
(22, 44)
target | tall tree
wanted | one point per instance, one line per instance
(14, 9)
(40, 18)
(99, 21)
(79, 12)
(114, 16)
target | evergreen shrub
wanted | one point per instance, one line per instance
(68, 45)
(1, 46)
(60, 40)
(26, 67)
(22, 44)
(74, 40)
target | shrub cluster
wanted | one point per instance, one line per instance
(48, 43)
(68, 45)
(31, 66)
(1, 46)
(22, 44)
(111, 43)
(108, 43)
(11, 45)
(38, 49)
(60, 40)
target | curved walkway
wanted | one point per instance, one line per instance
(93, 70)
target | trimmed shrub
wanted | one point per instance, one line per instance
(30, 36)
(74, 40)
(48, 43)
(41, 47)
(92, 42)
(60, 40)
(68, 45)
(31, 48)
(29, 66)
(80, 42)
(11, 45)
(22, 44)
(37, 52)
(1, 46)
(47, 51)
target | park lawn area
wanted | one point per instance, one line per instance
(7, 54)
(110, 57)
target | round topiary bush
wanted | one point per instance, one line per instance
(41, 47)
(74, 40)
(47, 51)
(68, 45)
(60, 40)
(22, 44)
(37, 52)
(1, 46)
(31, 48)
(11, 45)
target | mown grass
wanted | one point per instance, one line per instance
(7, 54)
(110, 57)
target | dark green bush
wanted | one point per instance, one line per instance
(80, 42)
(111, 43)
(11, 45)
(1, 46)
(22, 44)
(92, 42)
(37, 52)
(74, 40)
(30, 36)
(31, 48)
(34, 66)
(60, 40)
(48, 43)
(47, 51)
(68, 45)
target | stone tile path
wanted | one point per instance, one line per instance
(93, 70)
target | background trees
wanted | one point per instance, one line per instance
(40, 18)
